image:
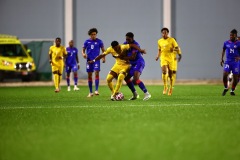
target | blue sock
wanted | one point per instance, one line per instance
(96, 83)
(90, 85)
(75, 80)
(142, 86)
(68, 81)
(131, 86)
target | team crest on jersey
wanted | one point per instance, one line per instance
(235, 46)
(95, 42)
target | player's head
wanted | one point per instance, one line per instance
(93, 33)
(115, 45)
(71, 43)
(164, 32)
(233, 35)
(58, 41)
(129, 37)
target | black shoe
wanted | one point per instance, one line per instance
(224, 92)
(232, 93)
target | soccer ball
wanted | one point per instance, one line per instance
(119, 96)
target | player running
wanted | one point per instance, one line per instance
(137, 65)
(166, 46)
(56, 56)
(72, 65)
(121, 66)
(232, 49)
(91, 49)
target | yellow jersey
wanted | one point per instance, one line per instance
(58, 54)
(166, 46)
(124, 48)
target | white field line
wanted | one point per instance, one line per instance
(117, 106)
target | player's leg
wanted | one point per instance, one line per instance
(111, 75)
(96, 82)
(97, 69)
(90, 69)
(174, 72)
(164, 78)
(56, 80)
(170, 72)
(136, 79)
(120, 79)
(234, 84)
(225, 82)
(130, 83)
(75, 77)
(68, 71)
(123, 70)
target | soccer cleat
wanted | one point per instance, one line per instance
(165, 90)
(69, 88)
(170, 92)
(147, 96)
(57, 90)
(90, 95)
(96, 93)
(135, 96)
(232, 93)
(113, 98)
(224, 92)
(76, 88)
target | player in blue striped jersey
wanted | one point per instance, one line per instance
(137, 65)
(72, 64)
(232, 50)
(91, 49)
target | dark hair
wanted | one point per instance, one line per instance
(164, 29)
(92, 30)
(114, 43)
(234, 31)
(130, 34)
(58, 38)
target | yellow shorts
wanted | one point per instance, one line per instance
(57, 67)
(165, 62)
(120, 68)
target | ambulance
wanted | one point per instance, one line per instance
(15, 61)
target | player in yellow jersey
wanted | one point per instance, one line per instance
(166, 46)
(56, 57)
(177, 56)
(121, 66)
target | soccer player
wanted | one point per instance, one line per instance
(166, 46)
(176, 59)
(137, 65)
(231, 48)
(91, 49)
(121, 66)
(56, 56)
(72, 65)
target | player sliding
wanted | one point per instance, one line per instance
(121, 66)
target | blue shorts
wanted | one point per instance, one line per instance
(231, 66)
(139, 66)
(72, 68)
(93, 67)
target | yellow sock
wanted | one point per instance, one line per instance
(120, 79)
(56, 80)
(164, 78)
(109, 82)
(173, 78)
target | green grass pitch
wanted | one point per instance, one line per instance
(195, 123)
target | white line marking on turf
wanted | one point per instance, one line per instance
(117, 106)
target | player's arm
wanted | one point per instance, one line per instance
(179, 52)
(83, 53)
(159, 54)
(137, 48)
(223, 54)
(127, 58)
(103, 59)
(77, 61)
(50, 56)
(97, 58)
